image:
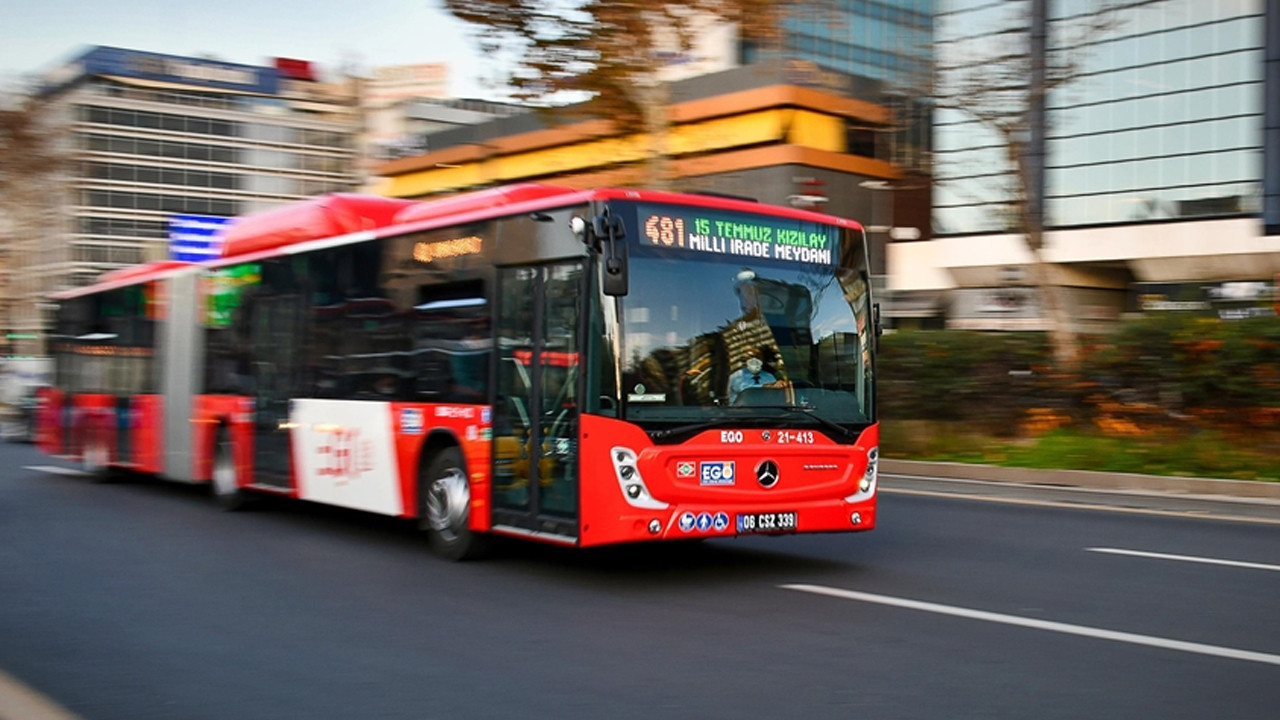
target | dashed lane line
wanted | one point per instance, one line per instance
(1048, 625)
(56, 470)
(1185, 558)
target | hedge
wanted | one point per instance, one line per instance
(1149, 373)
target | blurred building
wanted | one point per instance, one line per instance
(784, 132)
(403, 128)
(1156, 156)
(150, 137)
(890, 41)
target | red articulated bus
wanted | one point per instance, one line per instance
(577, 367)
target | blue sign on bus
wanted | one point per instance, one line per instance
(196, 238)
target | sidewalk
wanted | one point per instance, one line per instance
(1205, 487)
(1207, 497)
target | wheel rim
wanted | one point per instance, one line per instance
(224, 470)
(448, 499)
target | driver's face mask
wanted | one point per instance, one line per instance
(754, 365)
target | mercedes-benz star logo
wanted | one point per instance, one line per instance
(767, 473)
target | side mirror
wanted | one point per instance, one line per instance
(614, 271)
(616, 275)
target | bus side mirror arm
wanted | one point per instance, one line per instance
(608, 231)
(875, 319)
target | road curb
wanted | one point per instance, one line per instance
(1262, 491)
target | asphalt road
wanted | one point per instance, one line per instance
(141, 600)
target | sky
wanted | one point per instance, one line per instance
(39, 35)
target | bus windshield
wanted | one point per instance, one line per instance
(742, 319)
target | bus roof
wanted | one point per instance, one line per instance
(535, 197)
(324, 216)
(124, 277)
(482, 200)
(337, 214)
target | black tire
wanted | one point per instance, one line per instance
(444, 507)
(95, 458)
(224, 480)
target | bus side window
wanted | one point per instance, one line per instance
(451, 343)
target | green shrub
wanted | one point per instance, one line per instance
(1159, 370)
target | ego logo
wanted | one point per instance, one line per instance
(716, 473)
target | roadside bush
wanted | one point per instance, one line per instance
(1152, 374)
(988, 380)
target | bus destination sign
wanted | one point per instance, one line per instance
(746, 236)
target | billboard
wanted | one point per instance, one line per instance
(165, 68)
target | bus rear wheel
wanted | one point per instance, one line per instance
(445, 507)
(225, 481)
(95, 459)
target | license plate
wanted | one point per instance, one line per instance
(769, 522)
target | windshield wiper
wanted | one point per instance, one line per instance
(754, 420)
(811, 412)
(692, 427)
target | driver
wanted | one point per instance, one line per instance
(751, 374)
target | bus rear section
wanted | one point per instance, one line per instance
(107, 406)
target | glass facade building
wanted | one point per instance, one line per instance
(1161, 119)
(886, 40)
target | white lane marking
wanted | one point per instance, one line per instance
(55, 470)
(1082, 630)
(1185, 558)
(1195, 514)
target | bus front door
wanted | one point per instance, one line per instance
(535, 413)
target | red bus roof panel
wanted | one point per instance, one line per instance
(481, 200)
(319, 217)
(124, 277)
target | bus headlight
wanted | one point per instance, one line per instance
(867, 485)
(627, 471)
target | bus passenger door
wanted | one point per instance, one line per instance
(274, 339)
(535, 415)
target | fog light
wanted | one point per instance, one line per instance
(631, 481)
(654, 527)
(856, 518)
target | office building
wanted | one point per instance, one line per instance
(782, 132)
(1154, 172)
(150, 137)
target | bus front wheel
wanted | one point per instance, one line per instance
(445, 506)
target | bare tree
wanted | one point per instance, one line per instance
(29, 206)
(999, 79)
(605, 56)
